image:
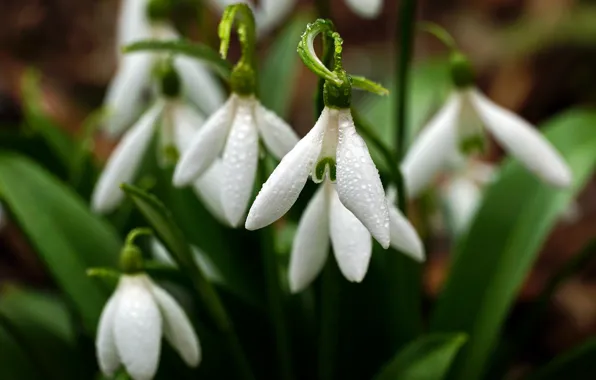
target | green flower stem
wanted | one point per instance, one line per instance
(439, 32)
(276, 298)
(309, 57)
(404, 274)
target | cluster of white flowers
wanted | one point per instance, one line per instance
(219, 156)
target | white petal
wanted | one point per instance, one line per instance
(366, 8)
(352, 244)
(138, 327)
(208, 189)
(124, 161)
(523, 141)
(107, 354)
(124, 96)
(404, 237)
(358, 183)
(199, 84)
(272, 13)
(311, 243)
(240, 160)
(206, 145)
(177, 328)
(432, 148)
(278, 136)
(462, 198)
(281, 190)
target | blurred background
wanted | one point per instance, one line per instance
(535, 57)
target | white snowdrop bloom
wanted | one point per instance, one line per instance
(327, 218)
(177, 121)
(268, 14)
(332, 148)
(125, 94)
(132, 324)
(366, 8)
(232, 132)
(463, 120)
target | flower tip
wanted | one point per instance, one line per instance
(561, 179)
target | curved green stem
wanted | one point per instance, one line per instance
(307, 52)
(246, 31)
(132, 235)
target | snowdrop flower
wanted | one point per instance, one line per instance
(327, 218)
(135, 318)
(177, 122)
(461, 124)
(351, 205)
(233, 133)
(147, 19)
(132, 324)
(366, 8)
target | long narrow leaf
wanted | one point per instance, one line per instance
(64, 233)
(428, 357)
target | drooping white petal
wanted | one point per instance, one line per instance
(200, 85)
(432, 148)
(124, 96)
(138, 327)
(278, 136)
(523, 141)
(358, 183)
(352, 244)
(366, 8)
(208, 185)
(272, 13)
(206, 145)
(177, 328)
(404, 237)
(124, 161)
(462, 198)
(311, 243)
(284, 185)
(132, 23)
(240, 159)
(107, 354)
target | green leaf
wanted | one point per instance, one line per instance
(65, 235)
(575, 364)
(428, 357)
(37, 317)
(491, 262)
(278, 74)
(15, 363)
(191, 49)
(368, 85)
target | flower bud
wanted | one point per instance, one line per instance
(462, 73)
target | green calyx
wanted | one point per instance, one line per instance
(159, 10)
(326, 164)
(169, 81)
(338, 96)
(243, 80)
(131, 257)
(461, 69)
